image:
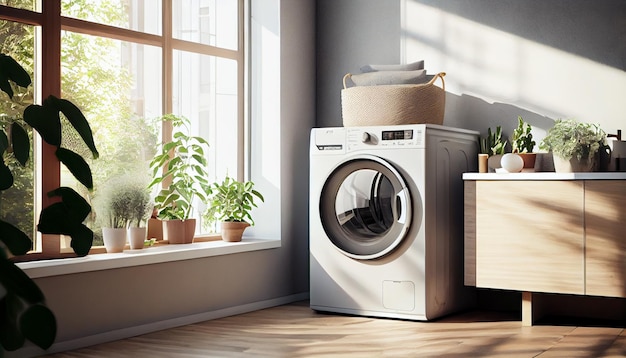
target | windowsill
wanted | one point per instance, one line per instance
(145, 256)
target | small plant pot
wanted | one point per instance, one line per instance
(573, 165)
(232, 231)
(529, 159)
(155, 229)
(136, 237)
(179, 231)
(482, 163)
(114, 239)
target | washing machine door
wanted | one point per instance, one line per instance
(365, 207)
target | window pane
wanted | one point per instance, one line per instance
(20, 4)
(205, 91)
(209, 22)
(138, 15)
(117, 85)
(17, 202)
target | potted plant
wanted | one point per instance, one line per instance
(139, 208)
(112, 212)
(522, 143)
(25, 314)
(180, 167)
(493, 146)
(230, 203)
(574, 145)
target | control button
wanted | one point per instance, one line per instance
(366, 137)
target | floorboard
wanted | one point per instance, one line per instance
(295, 330)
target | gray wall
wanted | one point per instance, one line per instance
(539, 59)
(89, 305)
(351, 33)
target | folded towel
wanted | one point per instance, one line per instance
(387, 78)
(418, 65)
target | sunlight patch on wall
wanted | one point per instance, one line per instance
(498, 66)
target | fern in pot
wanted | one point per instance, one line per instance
(231, 203)
(574, 145)
(180, 168)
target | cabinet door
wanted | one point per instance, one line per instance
(605, 251)
(529, 236)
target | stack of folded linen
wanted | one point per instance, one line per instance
(376, 75)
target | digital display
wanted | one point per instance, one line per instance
(400, 134)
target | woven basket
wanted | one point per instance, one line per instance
(393, 104)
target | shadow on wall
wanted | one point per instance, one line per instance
(466, 111)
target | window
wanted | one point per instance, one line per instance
(124, 63)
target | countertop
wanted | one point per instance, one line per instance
(546, 176)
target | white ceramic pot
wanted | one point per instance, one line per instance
(114, 239)
(136, 237)
(573, 165)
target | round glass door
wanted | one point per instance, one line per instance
(365, 208)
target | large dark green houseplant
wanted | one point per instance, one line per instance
(23, 313)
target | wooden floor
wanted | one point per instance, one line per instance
(296, 331)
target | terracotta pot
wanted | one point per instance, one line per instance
(114, 239)
(155, 229)
(179, 231)
(529, 159)
(232, 231)
(136, 237)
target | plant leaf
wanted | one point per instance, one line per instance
(79, 122)
(76, 165)
(14, 71)
(15, 280)
(21, 143)
(5, 86)
(46, 121)
(78, 207)
(39, 326)
(15, 240)
(10, 336)
(6, 177)
(82, 239)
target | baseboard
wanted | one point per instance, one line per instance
(156, 326)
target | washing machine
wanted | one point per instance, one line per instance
(386, 220)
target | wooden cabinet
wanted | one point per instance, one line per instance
(556, 236)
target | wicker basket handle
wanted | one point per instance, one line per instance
(432, 80)
(348, 75)
(439, 75)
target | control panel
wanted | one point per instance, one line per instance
(383, 138)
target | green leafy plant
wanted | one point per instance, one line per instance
(181, 164)
(569, 138)
(522, 138)
(231, 200)
(492, 144)
(24, 315)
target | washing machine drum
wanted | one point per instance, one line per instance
(365, 207)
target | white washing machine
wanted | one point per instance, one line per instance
(386, 220)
